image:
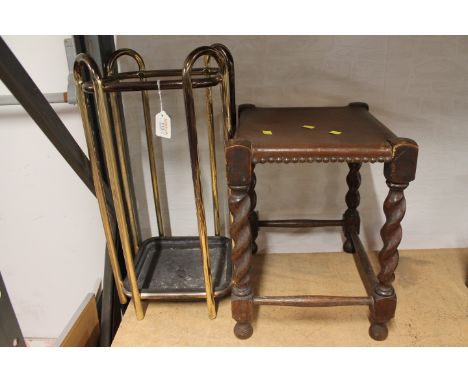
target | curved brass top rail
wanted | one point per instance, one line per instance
(122, 81)
(162, 73)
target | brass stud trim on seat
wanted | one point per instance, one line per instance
(320, 159)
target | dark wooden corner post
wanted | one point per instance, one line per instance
(239, 177)
(398, 173)
(253, 217)
(351, 219)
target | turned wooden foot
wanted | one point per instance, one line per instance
(243, 330)
(351, 216)
(382, 311)
(378, 332)
(348, 246)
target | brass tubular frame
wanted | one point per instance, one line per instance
(98, 180)
(228, 90)
(149, 134)
(212, 146)
(152, 160)
(135, 237)
(220, 59)
(110, 69)
(116, 160)
(84, 61)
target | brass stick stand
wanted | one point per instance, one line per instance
(150, 264)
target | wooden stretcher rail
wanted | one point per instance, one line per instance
(312, 301)
(300, 223)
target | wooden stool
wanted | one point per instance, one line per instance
(323, 134)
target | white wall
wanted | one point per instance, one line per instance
(51, 240)
(417, 86)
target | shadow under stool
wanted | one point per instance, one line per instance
(317, 134)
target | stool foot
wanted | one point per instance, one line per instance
(348, 246)
(378, 332)
(243, 330)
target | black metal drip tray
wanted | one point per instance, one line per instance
(171, 268)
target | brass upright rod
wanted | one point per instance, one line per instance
(228, 90)
(114, 180)
(226, 108)
(212, 146)
(99, 187)
(111, 69)
(152, 160)
(194, 157)
(205, 251)
(117, 118)
(97, 176)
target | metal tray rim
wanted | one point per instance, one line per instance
(183, 295)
